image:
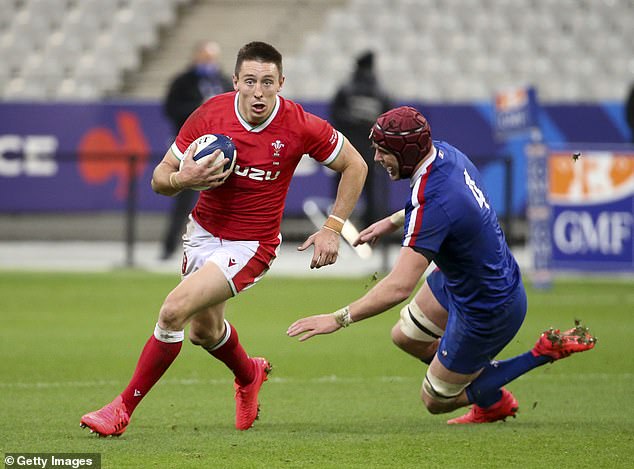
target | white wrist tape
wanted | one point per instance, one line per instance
(342, 316)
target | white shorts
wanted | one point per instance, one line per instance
(242, 262)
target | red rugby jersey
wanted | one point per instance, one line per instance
(249, 205)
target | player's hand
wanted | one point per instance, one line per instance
(372, 233)
(192, 174)
(326, 244)
(313, 325)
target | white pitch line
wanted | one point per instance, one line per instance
(317, 380)
(199, 382)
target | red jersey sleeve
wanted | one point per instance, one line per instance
(321, 140)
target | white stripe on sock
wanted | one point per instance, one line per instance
(169, 337)
(224, 339)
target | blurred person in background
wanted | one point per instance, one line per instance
(470, 308)
(629, 112)
(233, 235)
(200, 81)
(353, 110)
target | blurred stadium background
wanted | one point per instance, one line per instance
(82, 80)
(451, 50)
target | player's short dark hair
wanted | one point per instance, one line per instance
(260, 52)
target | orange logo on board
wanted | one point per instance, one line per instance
(103, 154)
(511, 99)
(595, 177)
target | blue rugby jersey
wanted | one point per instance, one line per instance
(449, 215)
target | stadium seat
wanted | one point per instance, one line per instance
(63, 50)
(23, 89)
(480, 44)
(159, 12)
(50, 11)
(62, 36)
(493, 42)
(32, 26)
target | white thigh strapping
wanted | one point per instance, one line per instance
(415, 325)
(441, 390)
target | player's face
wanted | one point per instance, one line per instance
(258, 84)
(388, 161)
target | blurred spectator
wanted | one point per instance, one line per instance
(200, 81)
(353, 110)
(629, 112)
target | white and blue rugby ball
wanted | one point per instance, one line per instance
(209, 143)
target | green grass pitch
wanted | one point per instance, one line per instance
(69, 343)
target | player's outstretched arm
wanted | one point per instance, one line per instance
(396, 287)
(313, 325)
(387, 225)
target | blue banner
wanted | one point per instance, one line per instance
(516, 113)
(76, 156)
(592, 200)
(539, 215)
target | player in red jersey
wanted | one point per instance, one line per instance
(234, 230)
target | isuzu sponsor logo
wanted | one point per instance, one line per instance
(256, 174)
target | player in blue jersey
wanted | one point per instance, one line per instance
(473, 304)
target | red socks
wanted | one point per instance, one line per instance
(155, 359)
(158, 355)
(230, 352)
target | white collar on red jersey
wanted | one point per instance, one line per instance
(259, 127)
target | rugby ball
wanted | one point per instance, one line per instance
(206, 145)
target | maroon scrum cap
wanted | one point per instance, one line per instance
(404, 132)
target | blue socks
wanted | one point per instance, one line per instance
(485, 390)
